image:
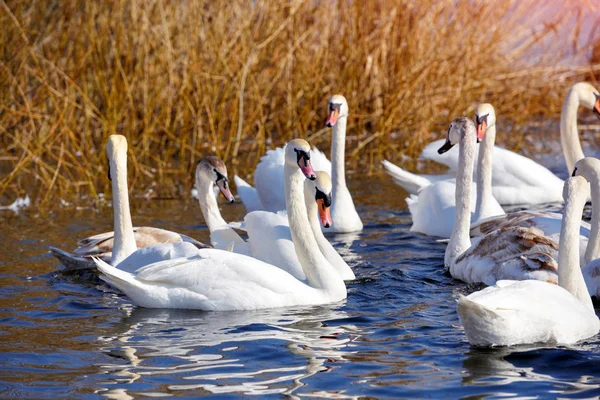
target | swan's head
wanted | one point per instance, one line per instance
(484, 116)
(589, 96)
(337, 108)
(214, 169)
(589, 168)
(321, 189)
(116, 150)
(297, 152)
(459, 127)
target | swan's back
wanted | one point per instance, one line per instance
(517, 312)
(268, 176)
(514, 253)
(214, 280)
(516, 179)
(267, 230)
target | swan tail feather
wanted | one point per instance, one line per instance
(412, 183)
(115, 277)
(72, 262)
(479, 322)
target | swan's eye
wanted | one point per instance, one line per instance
(481, 119)
(220, 176)
(301, 154)
(334, 107)
(325, 197)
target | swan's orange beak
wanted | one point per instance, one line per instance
(334, 113)
(597, 107)
(324, 214)
(481, 128)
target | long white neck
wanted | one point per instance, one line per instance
(569, 270)
(319, 272)
(460, 240)
(209, 205)
(324, 245)
(338, 151)
(569, 135)
(592, 251)
(484, 172)
(124, 241)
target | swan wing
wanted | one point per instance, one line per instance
(248, 194)
(270, 240)
(433, 209)
(548, 222)
(156, 253)
(319, 161)
(269, 178)
(144, 236)
(212, 280)
(516, 253)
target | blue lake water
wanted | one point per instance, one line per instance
(396, 336)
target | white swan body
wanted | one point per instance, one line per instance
(433, 209)
(524, 312)
(515, 179)
(217, 280)
(509, 253)
(270, 237)
(268, 176)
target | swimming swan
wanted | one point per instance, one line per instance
(268, 176)
(432, 210)
(511, 253)
(210, 172)
(524, 312)
(515, 179)
(217, 280)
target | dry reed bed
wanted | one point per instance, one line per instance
(185, 79)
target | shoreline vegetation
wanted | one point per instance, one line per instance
(182, 80)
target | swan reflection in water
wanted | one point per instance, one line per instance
(503, 366)
(159, 342)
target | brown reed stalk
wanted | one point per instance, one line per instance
(182, 80)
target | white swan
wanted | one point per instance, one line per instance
(510, 253)
(524, 312)
(217, 280)
(210, 172)
(270, 237)
(125, 254)
(268, 176)
(432, 210)
(516, 179)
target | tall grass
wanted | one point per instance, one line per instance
(185, 79)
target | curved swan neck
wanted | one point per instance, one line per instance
(338, 151)
(319, 272)
(569, 135)
(569, 270)
(124, 241)
(460, 239)
(592, 251)
(484, 172)
(209, 205)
